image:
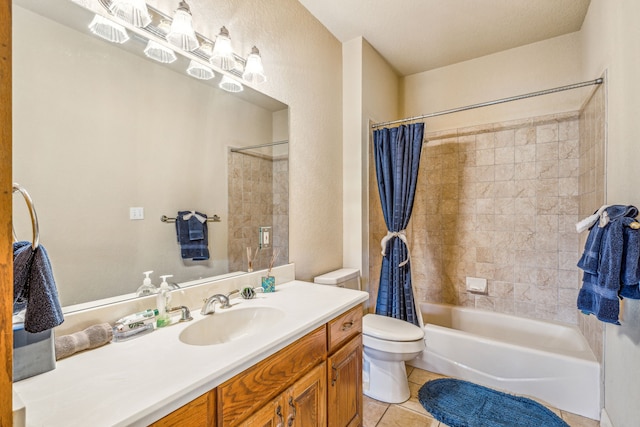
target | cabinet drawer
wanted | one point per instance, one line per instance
(344, 327)
(249, 391)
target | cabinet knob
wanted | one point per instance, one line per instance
(292, 416)
(347, 325)
(280, 418)
(334, 379)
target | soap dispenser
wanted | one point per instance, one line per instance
(162, 300)
(147, 287)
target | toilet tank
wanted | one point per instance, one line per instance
(344, 278)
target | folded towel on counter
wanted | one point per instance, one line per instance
(92, 337)
(193, 236)
(34, 288)
(611, 264)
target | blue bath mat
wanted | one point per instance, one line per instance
(460, 403)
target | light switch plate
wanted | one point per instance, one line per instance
(136, 213)
(265, 237)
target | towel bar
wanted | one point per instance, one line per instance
(214, 218)
(32, 213)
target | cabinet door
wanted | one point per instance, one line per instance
(198, 412)
(306, 400)
(271, 415)
(345, 385)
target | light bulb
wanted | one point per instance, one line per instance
(108, 30)
(253, 69)
(182, 34)
(222, 56)
(230, 85)
(160, 53)
(134, 12)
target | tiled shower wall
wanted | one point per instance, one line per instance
(258, 196)
(499, 202)
(591, 185)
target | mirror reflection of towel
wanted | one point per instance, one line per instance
(193, 236)
(35, 288)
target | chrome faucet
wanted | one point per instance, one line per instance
(185, 314)
(209, 306)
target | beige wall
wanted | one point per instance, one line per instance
(371, 89)
(609, 39)
(591, 187)
(538, 66)
(304, 66)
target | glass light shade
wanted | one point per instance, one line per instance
(222, 56)
(134, 12)
(253, 69)
(84, 3)
(160, 53)
(230, 85)
(108, 30)
(182, 33)
(200, 71)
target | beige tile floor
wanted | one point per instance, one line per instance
(411, 413)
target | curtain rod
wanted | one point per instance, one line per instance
(251, 147)
(497, 101)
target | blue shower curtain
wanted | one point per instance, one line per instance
(397, 157)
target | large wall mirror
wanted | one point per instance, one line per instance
(99, 129)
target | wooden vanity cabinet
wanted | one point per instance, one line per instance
(302, 405)
(314, 382)
(200, 412)
(344, 370)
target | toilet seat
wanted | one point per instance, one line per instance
(389, 346)
(390, 329)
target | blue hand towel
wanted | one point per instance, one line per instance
(617, 261)
(631, 263)
(35, 288)
(193, 236)
(591, 256)
(599, 301)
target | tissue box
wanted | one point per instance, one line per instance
(33, 354)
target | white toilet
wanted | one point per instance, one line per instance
(387, 343)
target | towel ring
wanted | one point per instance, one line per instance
(34, 217)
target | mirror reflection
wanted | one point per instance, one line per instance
(107, 141)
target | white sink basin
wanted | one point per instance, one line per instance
(225, 326)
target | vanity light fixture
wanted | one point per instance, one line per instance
(160, 53)
(182, 33)
(181, 38)
(108, 30)
(134, 12)
(198, 70)
(223, 52)
(253, 69)
(230, 85)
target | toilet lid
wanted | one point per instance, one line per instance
(388, 328)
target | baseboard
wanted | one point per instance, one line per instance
(604, 419)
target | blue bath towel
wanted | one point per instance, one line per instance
(193, 235)
(591, 256)
(35, 288)
(611, 265)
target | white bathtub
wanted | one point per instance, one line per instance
(547, 360)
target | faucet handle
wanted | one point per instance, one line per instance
(185, 313)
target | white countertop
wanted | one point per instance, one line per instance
(139, 381)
